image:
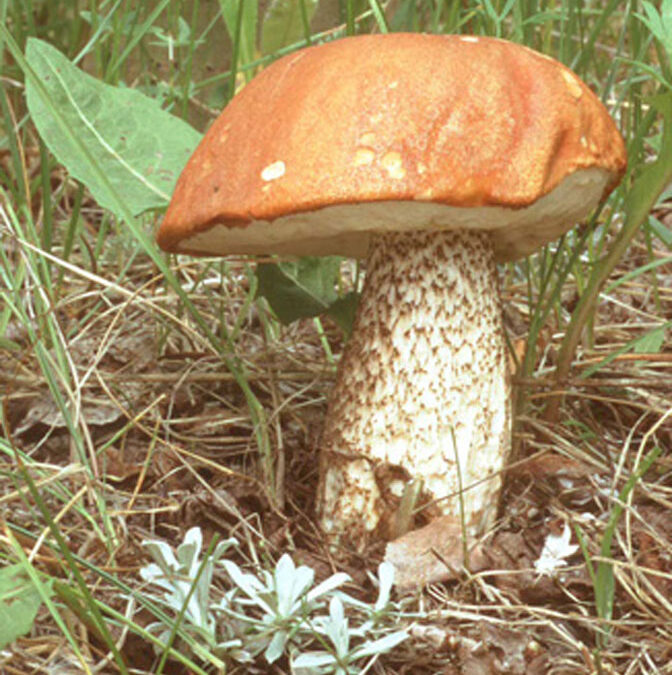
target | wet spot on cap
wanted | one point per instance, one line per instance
(425, 195)
(572, 84)
(468, 38)
(392, 163)
(363, 156)
(368, 138)
(273, 171)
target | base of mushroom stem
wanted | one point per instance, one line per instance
(422, 392)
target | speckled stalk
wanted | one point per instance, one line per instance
(426, 364)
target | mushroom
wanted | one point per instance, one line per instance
(433, 157)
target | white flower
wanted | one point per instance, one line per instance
(556, 549)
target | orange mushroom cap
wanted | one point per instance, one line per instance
(317, 150)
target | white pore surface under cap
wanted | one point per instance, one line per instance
(346, 229)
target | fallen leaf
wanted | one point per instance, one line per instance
(431, 553)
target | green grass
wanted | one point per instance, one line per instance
(73, 273)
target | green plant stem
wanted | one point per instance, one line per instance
(178, 620)
(45, 595)
(95, 614)
(642, 197)
(233, 364)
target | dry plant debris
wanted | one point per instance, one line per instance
(169, 437)
(168, 444)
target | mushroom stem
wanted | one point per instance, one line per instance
(422, 389)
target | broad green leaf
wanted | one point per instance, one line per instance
(642, 344)
(9, 345)
(284, 23)
(343, 311)
(337, 626)
(276, 646)
(604, 578)
(141, 147)
(381, 645)
(327, 586)
(651, 342)
(299, 289)
(659, 23)
(661, 231)
(655, 176)
(19, 602)
(313, 660)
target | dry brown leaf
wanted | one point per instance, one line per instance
(430, 554)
